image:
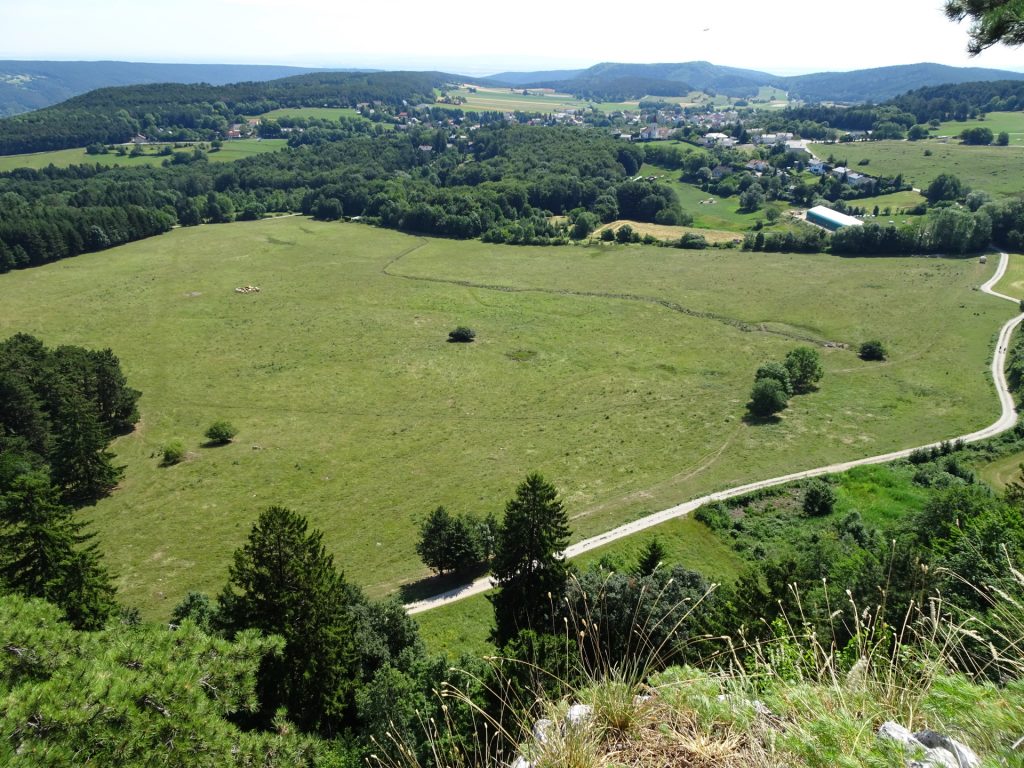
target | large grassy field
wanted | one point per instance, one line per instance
(507, 100)
(996, 170)
(323, 113)
(621, 373)
(62, 158)
(1011, 122)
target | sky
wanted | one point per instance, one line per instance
(482, 37)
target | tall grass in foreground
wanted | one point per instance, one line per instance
(792, 699)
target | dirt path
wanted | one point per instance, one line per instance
(1006, 420)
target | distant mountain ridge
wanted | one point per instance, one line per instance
(29, 85)
(876, 84)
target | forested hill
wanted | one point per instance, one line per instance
(958, 101)
(28, 85)
(113, 115)
(886, 82)
(857, 86)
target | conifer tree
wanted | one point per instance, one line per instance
(44, 553)
(283, 582)
(652, 556)
(528, 565)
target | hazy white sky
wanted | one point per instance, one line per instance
(485, 36)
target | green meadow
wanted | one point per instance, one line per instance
(62, 158)
(621, 373)
(722, 214)
(996, 170)
(483, 99)
(1010, 122)
(322, 113)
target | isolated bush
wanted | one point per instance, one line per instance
(804, 366)
(872, 350)
(172, 453)
(778, 372)
(819, 498)
(461, 335)
(693, 241)
(221, 432)
(767, 398)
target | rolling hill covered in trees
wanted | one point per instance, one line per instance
(113, 115)
(28, 85)
(628, 80)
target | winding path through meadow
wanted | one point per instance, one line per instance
(1006, 420)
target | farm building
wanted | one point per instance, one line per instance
(826, 217)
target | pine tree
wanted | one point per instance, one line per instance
(652, 556)
(81, 463)
(44, 553)
(283, 582)
(528, 566)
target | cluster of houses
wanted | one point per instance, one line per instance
(853, 178)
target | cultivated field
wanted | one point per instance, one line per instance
(996, 170)
(507, 100)
(62, 158)
(620, 373)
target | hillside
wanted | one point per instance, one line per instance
(184, 111)
(857, 86)
(28, 85)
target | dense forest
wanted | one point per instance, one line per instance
(174, 112)
(500, 185)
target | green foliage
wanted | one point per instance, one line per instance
(767, 397)
(61, 407)
(872, 350)
(172, 453)
(715, 516)
(283, 582)
(45, 553)
(693, 241)
(528, 567)
(197, 608)
(631, 621)
(978, 136)
(777, 372)
(945, 186)
(166, 697)
(804, 366)
(650, 558)
(819, 498)
(455, 543)
(221, 432)
(1003, 139)
(992, 21)
(462, 335)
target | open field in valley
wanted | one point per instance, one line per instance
(996, 170)
(1011, 122)
(507, 100)
(62, 158)
(620, 373)
(322, 113)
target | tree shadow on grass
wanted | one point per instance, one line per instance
(434, 585)
(760, 421)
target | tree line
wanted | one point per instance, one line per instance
(503, 186)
